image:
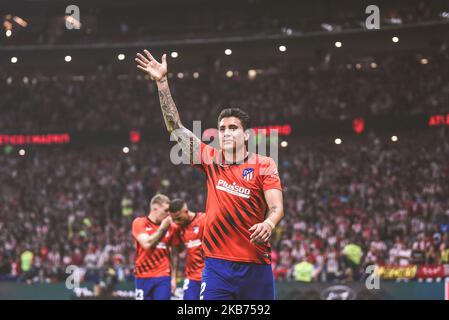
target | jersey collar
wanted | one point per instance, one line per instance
(248, 154)
(152, 222)
(194, 217)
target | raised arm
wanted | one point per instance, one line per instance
(190, 144)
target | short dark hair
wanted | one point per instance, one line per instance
(176, 205)
(238, 113)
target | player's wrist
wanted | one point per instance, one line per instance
(162, 81)
(270, 223)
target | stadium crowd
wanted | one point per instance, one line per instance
(368, 200)
(111, 100)
(202, 20)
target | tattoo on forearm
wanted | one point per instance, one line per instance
(169, 110)
(190, 144)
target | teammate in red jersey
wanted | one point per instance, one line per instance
(153, 235)
(244, 199)
(189, 235)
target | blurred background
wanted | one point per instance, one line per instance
(363, 119)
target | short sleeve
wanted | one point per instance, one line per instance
(138, 227)
(269, 175)
(205, 157)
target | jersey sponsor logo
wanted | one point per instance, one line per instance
(233, 189)
(196, 229)
(193, 243)
(248, 174)
(148, 228)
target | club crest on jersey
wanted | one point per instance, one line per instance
(196, 229)
(248, 174)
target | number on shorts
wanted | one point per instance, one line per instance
(203, 286)
(139, 294)
(186, 285)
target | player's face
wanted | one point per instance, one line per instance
(231, 134)
(161, 210)
(180, 217)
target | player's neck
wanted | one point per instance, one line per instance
(152, 217)
(192, 216)
(235, 156)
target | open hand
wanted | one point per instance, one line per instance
(153, 68)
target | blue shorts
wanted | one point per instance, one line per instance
(228, 280)
(191, 289)
(158, 288)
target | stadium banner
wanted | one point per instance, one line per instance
(430, 271)
(296, 127)
(285, 290)
(30, 139)
(393, 272)
(388, 290)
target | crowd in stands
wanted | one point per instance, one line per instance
(202, 20)
(109, 99)
(366, 201)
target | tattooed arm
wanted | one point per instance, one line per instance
(190, 144)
